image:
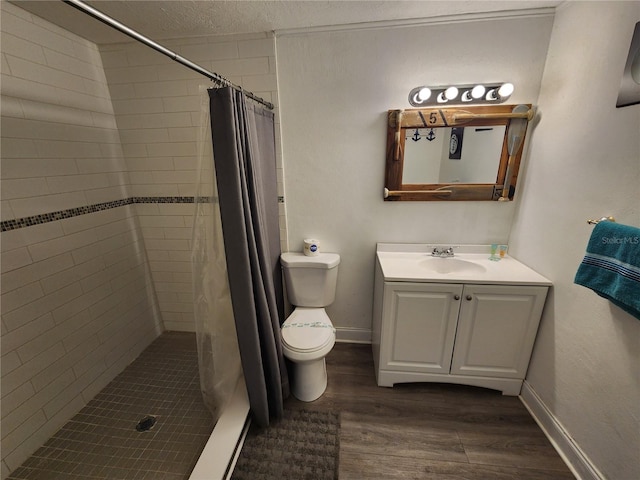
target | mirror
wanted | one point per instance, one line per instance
(457, 153)
(436, 155)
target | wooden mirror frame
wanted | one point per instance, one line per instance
(487, 115)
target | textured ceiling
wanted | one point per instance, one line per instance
(171, 19)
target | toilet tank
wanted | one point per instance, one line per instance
(310, 281)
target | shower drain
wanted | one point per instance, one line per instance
(146, 423)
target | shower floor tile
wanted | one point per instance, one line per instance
(101, 441)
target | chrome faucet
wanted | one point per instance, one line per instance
(442, 252)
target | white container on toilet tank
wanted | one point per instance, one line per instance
(311, 247)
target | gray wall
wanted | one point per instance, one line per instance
(584, 163)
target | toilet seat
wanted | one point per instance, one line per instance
(307, 330)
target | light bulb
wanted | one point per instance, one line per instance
(441, 98)
(423, 94)
(505, 90)
(466, 96)
(451, 93)
(478, 91)
(492, 95)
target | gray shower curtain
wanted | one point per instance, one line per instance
(243, 137)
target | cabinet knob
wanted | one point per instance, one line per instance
(456, 297)
(469, 297)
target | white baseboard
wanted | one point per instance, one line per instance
(569, 451)
(353, 335)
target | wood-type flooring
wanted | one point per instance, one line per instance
(429, 431)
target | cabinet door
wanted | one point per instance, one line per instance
(497, 327)
(419, 326)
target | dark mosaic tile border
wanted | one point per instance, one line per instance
(23, 222)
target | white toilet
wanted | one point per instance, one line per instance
(308, 334)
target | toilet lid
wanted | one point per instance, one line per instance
(307, 329)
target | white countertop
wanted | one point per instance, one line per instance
(402, 263)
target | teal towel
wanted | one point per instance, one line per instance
(611, 265)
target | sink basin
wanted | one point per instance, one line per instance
(451, 265)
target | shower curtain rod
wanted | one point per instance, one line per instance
(97, 14)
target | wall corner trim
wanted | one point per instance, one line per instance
(567, 448)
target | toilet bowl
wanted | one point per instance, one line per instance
(308, 334)
(307, 337)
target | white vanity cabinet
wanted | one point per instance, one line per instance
(467, 333)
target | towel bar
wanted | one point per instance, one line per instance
(603, 219)
(393, 193)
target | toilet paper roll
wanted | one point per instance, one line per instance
(311, 247)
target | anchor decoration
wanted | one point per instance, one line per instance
(431, 136)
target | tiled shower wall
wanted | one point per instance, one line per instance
(98, 158)
(77, 298)
(157, 104)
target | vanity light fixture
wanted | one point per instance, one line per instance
(491, 93)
